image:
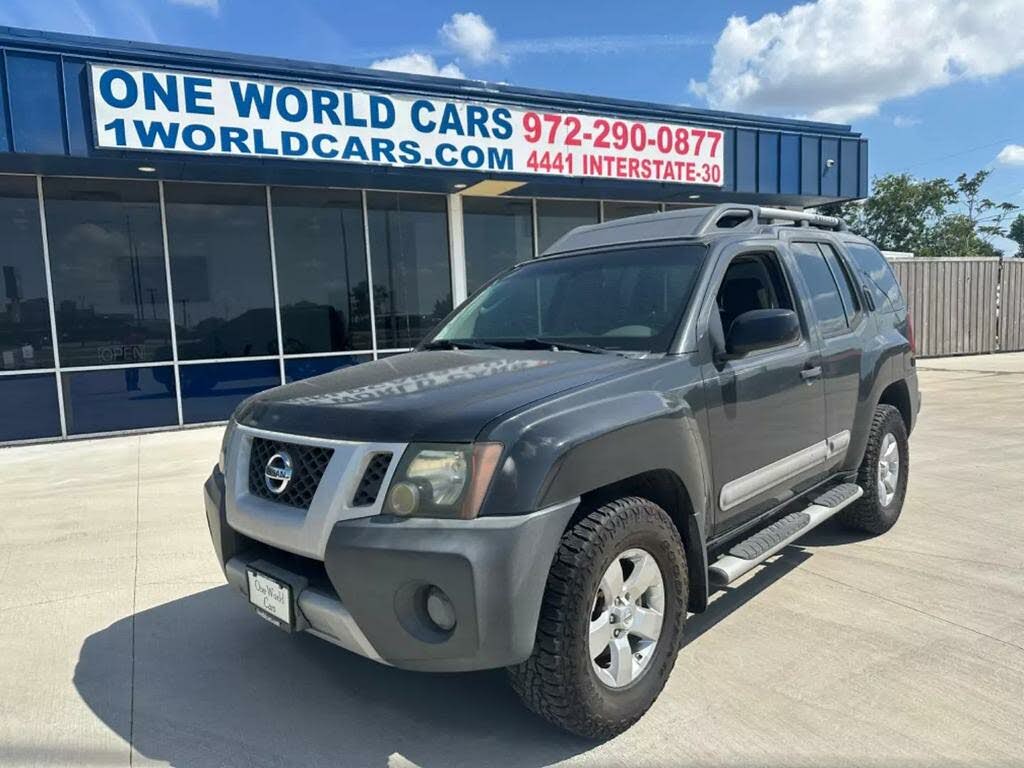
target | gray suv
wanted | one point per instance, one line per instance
(579, 454)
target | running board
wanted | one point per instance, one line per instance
(752, 551)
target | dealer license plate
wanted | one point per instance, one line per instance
(271, 598)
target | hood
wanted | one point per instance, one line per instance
(436, 396)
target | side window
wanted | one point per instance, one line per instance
(851, 301)
(880, 280)
(752, 281)
(828, 305)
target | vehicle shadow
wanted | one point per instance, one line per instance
(212, 685)
(215, 686)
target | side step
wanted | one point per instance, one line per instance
(752, 551)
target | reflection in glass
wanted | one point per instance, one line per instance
(220, 270)
(28, 407)
(107, 265)
(305, 368)
(115, 399)
(411, 272)
(556, 217)
(615, 210)
(498, 234)
(321, 269)
(212, 391)
(24, 309)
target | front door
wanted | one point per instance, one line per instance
(766, 411)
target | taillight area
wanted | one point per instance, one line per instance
(910, 334)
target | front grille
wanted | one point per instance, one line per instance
(374, 475)
(308, 465)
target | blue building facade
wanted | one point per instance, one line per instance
(183, 228)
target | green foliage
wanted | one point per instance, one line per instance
(1016, 233)
(931, 217)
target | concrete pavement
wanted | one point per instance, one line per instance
(120, 644)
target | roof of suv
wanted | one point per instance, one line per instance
(708, 221)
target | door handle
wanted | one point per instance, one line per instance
(809, 374)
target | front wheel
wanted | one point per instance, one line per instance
(883, 475)
(611, 621)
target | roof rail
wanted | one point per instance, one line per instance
(732, 216)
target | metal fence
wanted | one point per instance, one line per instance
(964, 306)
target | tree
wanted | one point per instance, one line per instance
(1016, 233)
(930, 217)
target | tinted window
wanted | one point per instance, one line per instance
(28, 407)
(211, 391)
(556, 217)
(498, 234)
(129, 398)
(828, 306)
(220, 268)
(627, 299)
(24, 309)
(881, 281)
(613, 210)
(107, 264)
(412, 282)
(305, 367)
(321, 270)
(842, 276)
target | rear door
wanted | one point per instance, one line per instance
(766, 411)
(845, 333)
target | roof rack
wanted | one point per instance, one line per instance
(731, 216)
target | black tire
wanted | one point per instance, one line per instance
(868, 513)
(558, 681)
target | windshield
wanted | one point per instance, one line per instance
(628, 299)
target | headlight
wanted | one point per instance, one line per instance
(438, 480)
(229, 430)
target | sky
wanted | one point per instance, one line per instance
(937, 86)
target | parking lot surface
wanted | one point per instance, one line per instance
(121, 645)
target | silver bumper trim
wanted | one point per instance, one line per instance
(327, 617)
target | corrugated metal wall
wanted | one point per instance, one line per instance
(964, 306)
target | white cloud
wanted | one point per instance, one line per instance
(418, 64)
(902, 121)
(213, 6)
(840, 59)
(469, 35)
(1011, 154)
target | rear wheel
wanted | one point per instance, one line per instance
(610, 623)
(883, 474)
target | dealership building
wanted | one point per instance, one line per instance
(180, 229)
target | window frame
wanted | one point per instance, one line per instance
(710, 302)
(851, 326)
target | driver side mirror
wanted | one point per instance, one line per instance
(760, 329)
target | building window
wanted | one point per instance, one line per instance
(28, 407)
(24, 308)
(107, 266)
(498, 233)
(220, 270)
(556, 217)
(320, 247)
(114, 399)
(614, 210)
(299, 368)
(412, 288)
(212, 391)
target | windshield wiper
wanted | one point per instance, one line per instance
(459, 344)
(557, 344)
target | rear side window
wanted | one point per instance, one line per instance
(880, 280)
(828, 306)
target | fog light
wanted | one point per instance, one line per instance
(404, 498)
(440, 609)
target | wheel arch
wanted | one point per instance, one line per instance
(666, 489)
(897, 394)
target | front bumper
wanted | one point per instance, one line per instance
(368, 594)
